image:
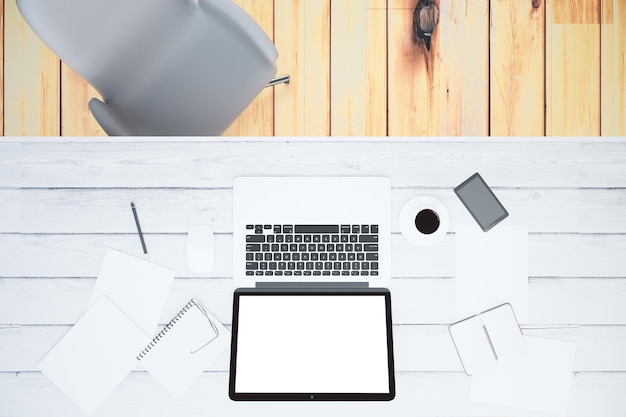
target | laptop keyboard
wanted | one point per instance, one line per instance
(306, 250)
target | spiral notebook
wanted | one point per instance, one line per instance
(101, 349)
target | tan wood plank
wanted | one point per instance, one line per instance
(258, 118)
(1, 67)
(31, 80)
(443, 91)
(302, 37)
(572, 68)
(613, 67)
(76, 119)
(358, 68)
(408, 73)
(517, 68)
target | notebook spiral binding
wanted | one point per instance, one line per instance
(166, 329)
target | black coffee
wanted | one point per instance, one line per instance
(427, 221)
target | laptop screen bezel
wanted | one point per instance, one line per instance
(310, 396)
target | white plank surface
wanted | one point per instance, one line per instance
(62, 202)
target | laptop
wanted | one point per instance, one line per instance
(312, 229)
(311, 316)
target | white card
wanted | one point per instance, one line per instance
(136, 286)
(95, 355)
(491, 268)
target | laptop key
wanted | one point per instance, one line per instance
(288, 228)
(317, 272)
(252, 265)
(249, 256)
(371, 256)
(368, 238)
(253, 247)
(255, 238)
(370, 247)
(249, 272)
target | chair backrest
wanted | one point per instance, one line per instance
(163, 67)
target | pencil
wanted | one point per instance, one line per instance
(143, 243)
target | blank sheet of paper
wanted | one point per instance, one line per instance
(136, 286)
(490, 269)
(539, 380)
(95, 355)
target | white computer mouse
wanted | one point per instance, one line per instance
(200, 248)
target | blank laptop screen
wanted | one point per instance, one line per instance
(312, 345)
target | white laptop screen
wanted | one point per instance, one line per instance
(313, 345)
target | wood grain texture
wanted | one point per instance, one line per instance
(302, 37)
(517, 69)
(214, 163)
(64, 202)
(418, 394)
(599, 348)
(1, 67)
(358, 99)
(596, 210)
(613, 68)
(573, 68)
(444, 91)
(550, 255)
(31, 80)
(258, 118)
(76, 119)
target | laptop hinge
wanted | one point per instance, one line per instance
(311, 285)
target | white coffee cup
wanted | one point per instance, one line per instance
(424, 221)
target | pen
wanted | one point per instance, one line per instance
(143, 243)
(493, 350)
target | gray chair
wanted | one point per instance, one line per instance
(163, 67)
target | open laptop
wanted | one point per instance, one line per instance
(311, 319)
(311, 229)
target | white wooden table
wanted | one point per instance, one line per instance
(62, 202)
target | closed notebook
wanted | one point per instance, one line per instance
(101, 349)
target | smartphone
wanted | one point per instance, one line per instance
(481, 202)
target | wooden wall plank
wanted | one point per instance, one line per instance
(550, 255)
(588, 301)
(258, 118)
(302, 37)
(79, 210)
(573, 68)
(443, 91)
(407, 73)
(599, 348)
(31, 80)
(2, 67)
(358, 68)
(418, 394)
(76, 119)
(517, 68)
(613, 67)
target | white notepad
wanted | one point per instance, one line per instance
(185, 348)
(136, 286)
(487, 339)
(95, 355)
